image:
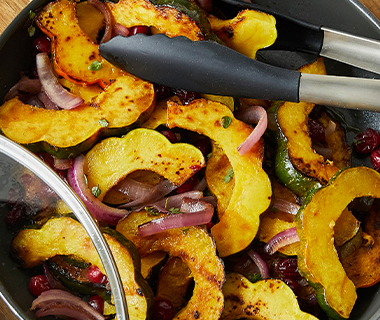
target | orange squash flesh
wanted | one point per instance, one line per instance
(252, 192)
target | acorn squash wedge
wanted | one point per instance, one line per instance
(246, 33)
(173, 282)
(293, 121)
(173, 18)
(66, 236)
(252, 192)
(197, 249)
(362, 266)
(73, 51)
(318, 259)
(113, 159)
(67, 133)
(265, 299)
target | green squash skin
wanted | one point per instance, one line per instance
(76, 286)
(319, 290)
(146, 290)
(192, 11)
(285, 171)
(73, 151)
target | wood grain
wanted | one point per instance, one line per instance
(10, 8)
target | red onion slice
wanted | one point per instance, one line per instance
(156, 193)
(286, 206)
(120, 30)
(98, 209)
(253, 115)
(63, 164)
(134, 189)
(24, 86)
(48, 103)
(281, 239)
(53, 282)
(330, 129)
(62, 303)
(50, 84)
(105, 10)
(325, 152)
(261, 264)
(181, 220)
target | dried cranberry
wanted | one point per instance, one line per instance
(316, 131)
(288, 267)
(170, 135)
(15, 215)
(139, 29)
(188, 185)
(163, 310)
(366, 141)
(162, 92)
(42, 44)
(38, 284)
(317, 111)
(97, 303)
(375, 159)
(96, 276)
(293, 284)
(204, 145)
(185, 96)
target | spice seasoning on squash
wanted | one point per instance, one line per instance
(113, 159)
(252, 192)
(318, 259)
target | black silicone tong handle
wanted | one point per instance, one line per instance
(200, 66)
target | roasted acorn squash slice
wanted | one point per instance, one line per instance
(318, 259)
(246, 33)
(113, 159)
(252, 192)
(197, 249)
(65, 236)
(293, 121)
(265, 299)
(73, 51)
(67, 133)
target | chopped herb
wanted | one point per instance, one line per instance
(275, 210)
(254, 277)
(185, 230)
(31, 30)
(175, 210)
(228, 177)
(96, 191)
(209, 155)
(32, 14)
(104, 123)
(226, 121)
(150, 210)
(95, 66)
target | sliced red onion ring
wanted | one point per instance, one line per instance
(48, 103)
(281, 239)
(261, 264)
(134, 189)
(63, 164)
(34, 101)
(105, 10)
(156, 193)
(98, 209)
(252, 115)
(120, 30)
(201, 185)
(59, 95)
(330, 129)
(325, 152)
(286, 206)
(53, 282)
(24, 86)
(181, 220)
(58, 302)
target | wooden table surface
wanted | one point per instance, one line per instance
(10, 8)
